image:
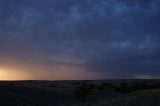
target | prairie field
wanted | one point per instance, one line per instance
(80, 93)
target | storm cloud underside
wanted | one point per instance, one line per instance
(81, 39)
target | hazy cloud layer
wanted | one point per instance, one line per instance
(117, 37)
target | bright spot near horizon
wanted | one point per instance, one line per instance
(9, 74)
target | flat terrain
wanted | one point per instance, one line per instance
(80, 93)
(142, 98)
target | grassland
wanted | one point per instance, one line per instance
(80, 93)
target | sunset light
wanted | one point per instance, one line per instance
(79, 39)
(11, 74)
(79, 52)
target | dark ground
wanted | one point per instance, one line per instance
(80, 93)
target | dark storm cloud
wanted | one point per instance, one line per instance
(120, 37)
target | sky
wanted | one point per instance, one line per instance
(79, 39)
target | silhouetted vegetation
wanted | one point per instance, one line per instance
(127, 88)
(53, 85)
(82, 91)
(71, 93)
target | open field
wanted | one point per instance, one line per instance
(80, 93)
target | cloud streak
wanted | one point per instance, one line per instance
(117, 37)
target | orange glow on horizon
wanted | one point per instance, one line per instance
(13, 68)
(48, 73)
(11, 74)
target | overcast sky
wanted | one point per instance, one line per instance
(80, 39)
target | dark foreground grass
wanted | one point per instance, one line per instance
(80, 93)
